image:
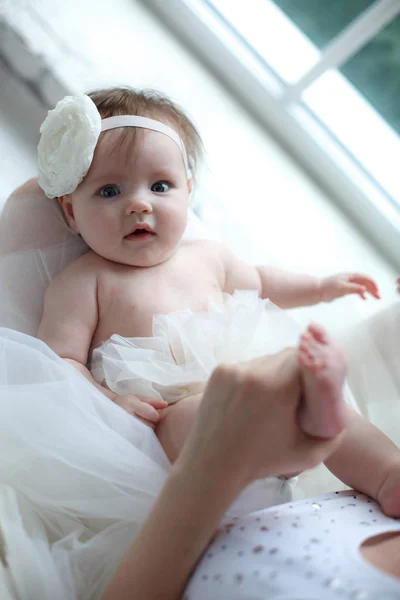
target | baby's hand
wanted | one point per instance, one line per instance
(145, 409)
(343, 284)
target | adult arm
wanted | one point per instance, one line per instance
(255, 403)
(180, 526)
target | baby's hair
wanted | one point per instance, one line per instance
(150, 103)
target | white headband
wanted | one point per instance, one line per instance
(69, 136)
(145, 123)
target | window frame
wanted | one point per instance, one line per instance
(273, 103)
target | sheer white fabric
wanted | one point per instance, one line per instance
(78, 476)
(186, 347)
(373, 351)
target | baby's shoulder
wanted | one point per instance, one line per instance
(207, 248)
(211, 255)
(212, 252)
(76, 285)
(84, 269)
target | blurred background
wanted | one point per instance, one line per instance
(297, 102)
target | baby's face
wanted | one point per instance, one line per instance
(132, 206)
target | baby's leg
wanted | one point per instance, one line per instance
(368, 461)
(175, 425)
(323, 411)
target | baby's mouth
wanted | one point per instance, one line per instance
(140, 234)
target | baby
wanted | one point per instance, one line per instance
(151, 313)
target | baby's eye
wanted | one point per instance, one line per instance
(160, 187)
(109, 191)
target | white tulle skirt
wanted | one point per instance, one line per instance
(185, 348)
(78, 476)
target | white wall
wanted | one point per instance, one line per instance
(20, 118)
(253, 195)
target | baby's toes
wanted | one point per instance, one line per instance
(306, 359)
(318, 333)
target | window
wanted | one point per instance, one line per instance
(333, 70)
(358, 102)
(265, 30)
(322, 21)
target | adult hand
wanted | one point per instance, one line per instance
(247, 422)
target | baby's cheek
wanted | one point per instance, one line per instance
(99, 228)
(175, 222)
(95, 238)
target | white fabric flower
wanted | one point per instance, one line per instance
(69, 136)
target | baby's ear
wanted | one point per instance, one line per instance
(68, 210)
(190, 184)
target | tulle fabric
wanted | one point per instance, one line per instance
(185, 347)
(373, 352)
(35, 245)
(78, 476)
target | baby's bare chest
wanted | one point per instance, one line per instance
(128, 300)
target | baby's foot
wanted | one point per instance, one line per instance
(389, 493)
(323, 368)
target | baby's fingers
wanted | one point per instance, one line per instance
(367, 282)
(355, 288)
(158, 404)
(146, 422)
(373, 290)
(147, 412)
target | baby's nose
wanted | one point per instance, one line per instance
(138, 203)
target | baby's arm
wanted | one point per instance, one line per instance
(70, 318)
(290, 290)
(368, 461)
